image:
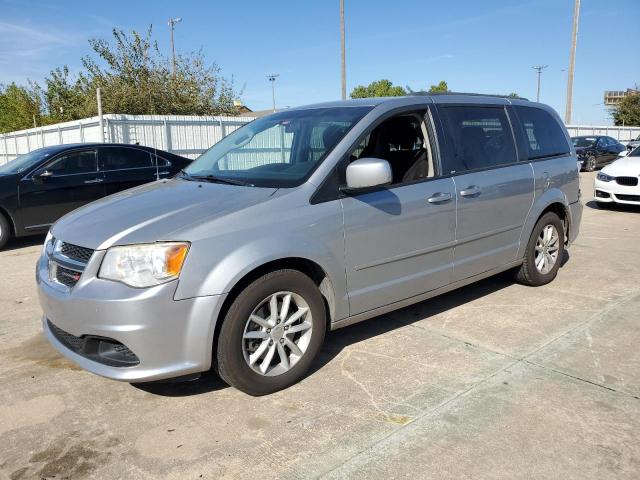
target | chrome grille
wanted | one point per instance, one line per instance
(65, 276)
(74, 252)
(627, 181)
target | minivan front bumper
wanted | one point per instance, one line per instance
(167, 338)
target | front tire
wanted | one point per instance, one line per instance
(590, 163)
(5, 231)
(271, 333)
(544, 252)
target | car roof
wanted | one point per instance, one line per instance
(70, 146)
(427, 98)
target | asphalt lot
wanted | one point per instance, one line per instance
(496, 380)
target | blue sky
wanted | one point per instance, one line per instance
(484, 46)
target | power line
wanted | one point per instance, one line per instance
(539, 69)
(272, 78)
(172, 25)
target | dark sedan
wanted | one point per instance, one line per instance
(39, 187)
(596, 151)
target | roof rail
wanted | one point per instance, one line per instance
(421, 94)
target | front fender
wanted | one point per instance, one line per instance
(540, 204)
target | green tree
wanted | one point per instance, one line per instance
(441, 87)
(380, 88)
(18, 107)
(627, 112)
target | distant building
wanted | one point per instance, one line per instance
(613, 97)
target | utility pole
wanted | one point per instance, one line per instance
(100, 117)
(272, 78)
(172, 25)
(342, 52)
(539, 69)
(572, 62)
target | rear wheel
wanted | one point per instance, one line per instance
(271, 333)
(5, 230)
(544, 253)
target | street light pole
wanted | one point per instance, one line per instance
(272, 78)
(342, 52)
(172, 25)
(539, 69)
(572, 62)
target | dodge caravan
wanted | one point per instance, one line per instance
(308, 219)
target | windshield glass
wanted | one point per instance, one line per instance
(24, 162)
(635, 152)
(584, 141)
(278, 150)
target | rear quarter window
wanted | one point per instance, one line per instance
(544, 136)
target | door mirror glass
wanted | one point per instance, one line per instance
(368, 172)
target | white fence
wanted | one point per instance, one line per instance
(184, 135)
(622, 134)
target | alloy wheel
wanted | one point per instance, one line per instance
(277, 333)
(547, 249)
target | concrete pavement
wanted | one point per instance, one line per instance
(496, 380)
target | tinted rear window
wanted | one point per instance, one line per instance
(544, 135)
(480, 137)
(118, 158)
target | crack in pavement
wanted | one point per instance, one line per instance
(516, 360)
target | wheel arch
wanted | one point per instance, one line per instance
(553, 200)
(304, 265)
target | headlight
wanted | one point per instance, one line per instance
(47, 247)
(603, 177)
(144, 265)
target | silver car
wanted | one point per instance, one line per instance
(308, 219)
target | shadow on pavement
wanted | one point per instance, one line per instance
(23, 242)
(619, 207)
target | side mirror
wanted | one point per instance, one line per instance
(40, 177)
(367, 173)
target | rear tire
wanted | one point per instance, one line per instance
(5, 231)
(544, 252)
(262, 347)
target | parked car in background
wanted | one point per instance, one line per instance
(39, 187)
(308, 219)
(619, 181)
(596, 151)
(633, 144)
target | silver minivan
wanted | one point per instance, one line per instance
(308, 219)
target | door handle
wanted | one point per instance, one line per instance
(471, 191)
(439, 197)
(97, 180)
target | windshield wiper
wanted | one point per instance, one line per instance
(214, 179)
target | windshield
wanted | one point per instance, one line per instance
(635, 152)
(25, 162)
(279, 150)
(584, 141)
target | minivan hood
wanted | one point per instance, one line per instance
(153, 212)
(624, 166)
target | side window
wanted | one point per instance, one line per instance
(74, 163)
(119, 158)
(479, 137)
(162, 162)
(602, 142)
(400, 140)
(545, 137)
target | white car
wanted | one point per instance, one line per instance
(619, 181)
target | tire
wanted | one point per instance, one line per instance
(529, 272)
(5, 231)
(235, 351)
(590, 164)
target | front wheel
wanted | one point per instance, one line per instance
(590, 163)
(272, 332)
(544, 252)
(5, 231)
